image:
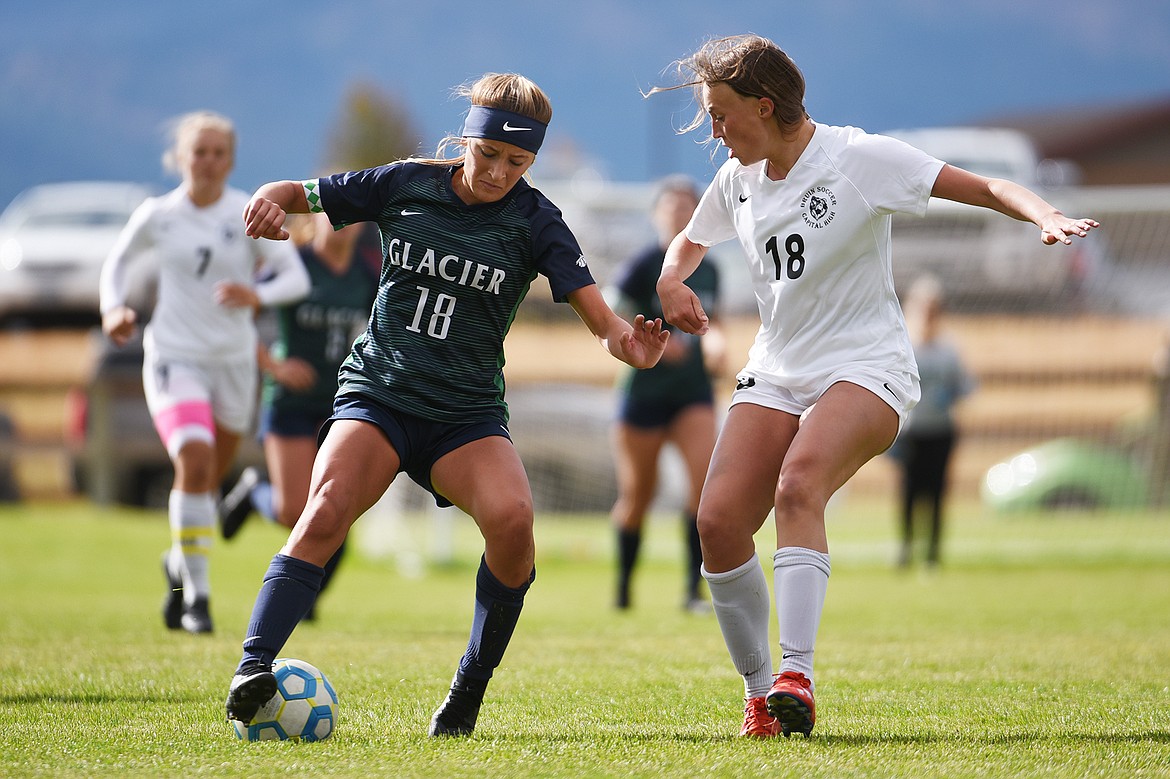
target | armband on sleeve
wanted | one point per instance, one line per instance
(312, 189)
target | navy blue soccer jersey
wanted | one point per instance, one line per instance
(320, 330)
(452, 278)
(677, 381)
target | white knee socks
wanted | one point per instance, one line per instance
(801, 577)
(740, 600)
(192, 521)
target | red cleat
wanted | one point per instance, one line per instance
(757, 722)
(790, 701)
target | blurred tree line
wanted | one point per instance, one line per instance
(372, 128)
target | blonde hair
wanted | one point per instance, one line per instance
(183, 130)
(506, 91)
(751, 65)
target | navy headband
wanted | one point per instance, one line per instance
(496, 124)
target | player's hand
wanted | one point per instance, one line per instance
(264, 219)
(235, 295)
(678, 348)
(1059, 227)
(119, 324)
(681, 306)
(642, 347)
(294, 373)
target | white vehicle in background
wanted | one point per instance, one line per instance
(983, 259)
(53, 241)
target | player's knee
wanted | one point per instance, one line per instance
(507, 523)
(797, 493)
(631, 509)
(717, 528)
(195, 467)
(326, 518)
(514, 527)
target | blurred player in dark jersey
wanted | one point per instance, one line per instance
(313, 337)
(671, 403)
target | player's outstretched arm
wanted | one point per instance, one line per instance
(639, 344)
(1012, 199)
(265, 213)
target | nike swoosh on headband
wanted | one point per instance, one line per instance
(502, 125)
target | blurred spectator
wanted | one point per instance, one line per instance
(9, 491)
(924, 447)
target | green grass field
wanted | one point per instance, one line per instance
(1042, 648)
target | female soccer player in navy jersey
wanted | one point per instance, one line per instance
(831, 374)
(423, 390)
(671, 403)
(199, 368)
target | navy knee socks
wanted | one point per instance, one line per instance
(497, 608)
(289, 590)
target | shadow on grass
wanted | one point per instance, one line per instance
(843, 740)
(94, 698)
(1154, 737)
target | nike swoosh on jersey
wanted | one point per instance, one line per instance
(410, 213)
(744, 198)
(510, 129)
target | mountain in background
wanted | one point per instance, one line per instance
(86, 90)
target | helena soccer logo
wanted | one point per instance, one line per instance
(818, 207)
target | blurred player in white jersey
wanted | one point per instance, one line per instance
(199, 370)
(831, 375)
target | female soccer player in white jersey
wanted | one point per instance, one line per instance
(831, 374)
(199, 371)
(422, 390)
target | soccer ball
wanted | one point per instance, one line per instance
(304, 707)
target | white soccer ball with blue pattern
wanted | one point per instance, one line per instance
(304, 707)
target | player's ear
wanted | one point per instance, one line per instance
(766, 107)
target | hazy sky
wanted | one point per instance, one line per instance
(86, 88)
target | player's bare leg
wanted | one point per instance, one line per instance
(355, 466)
(486, 479)
(636, 452)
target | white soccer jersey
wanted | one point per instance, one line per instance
(194, 249)
(818, 248)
